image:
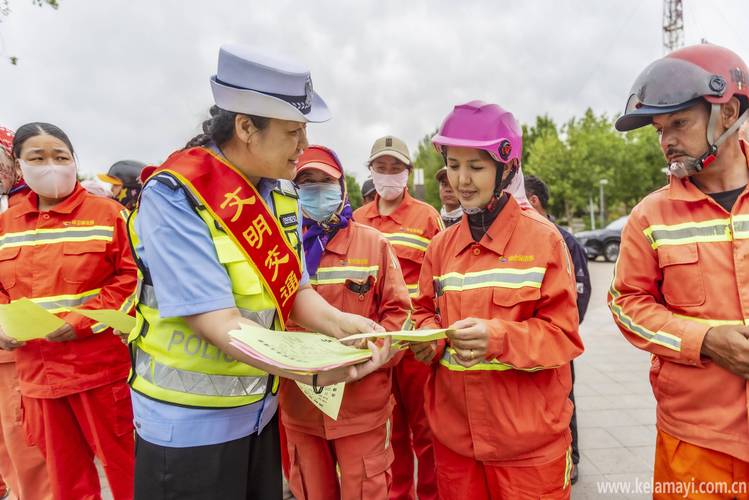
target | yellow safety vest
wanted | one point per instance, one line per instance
(173, 364)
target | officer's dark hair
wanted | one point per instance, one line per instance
(219, 128)
(26, 132)
(535, 186)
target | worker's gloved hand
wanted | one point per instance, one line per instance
(728, 346)
(470, 339)
(424, 351)
(9, 344)
(63, 334)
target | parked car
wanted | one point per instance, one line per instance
(603, 242)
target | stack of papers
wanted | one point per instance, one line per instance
(296, 351)
(25, 320)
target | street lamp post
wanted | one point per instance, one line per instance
(602, 199)
(419, 189)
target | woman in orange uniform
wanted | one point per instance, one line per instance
(64, 248)
(355, 269)
(501, 280)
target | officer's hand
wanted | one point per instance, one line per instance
(424, 351)
(63, 334)
(380, 356)
(8, 343)
(351, 324)
(470, 339)
(728, 346)
(122, 335)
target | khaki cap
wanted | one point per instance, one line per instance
(390, 146)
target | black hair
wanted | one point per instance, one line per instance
(535, 186)
(219, 128)
(26, 132)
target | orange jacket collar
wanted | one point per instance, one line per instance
(685, 190)
(29, 203)
(341, 241)
(372, 210)
(499, 232)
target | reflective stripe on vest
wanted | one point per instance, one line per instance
(63, 303)
(741, 227)
(448, 361)
(408, 240)
(52, 236)
(263, 318)
(340, 274)
(413, 290)
(492, 278)
(660, 337)
(689, 232)
(173, 379)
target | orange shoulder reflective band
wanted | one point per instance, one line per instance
(245, 217)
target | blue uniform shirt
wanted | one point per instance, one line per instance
(176, 247)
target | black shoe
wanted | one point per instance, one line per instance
(573, 474)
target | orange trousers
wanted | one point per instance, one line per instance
(460, 478)
(21, 466)
(73, 429)
(411, 433)
(362, 460)
(702, 473)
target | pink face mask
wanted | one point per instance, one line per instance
(50, 180)
(390, 186)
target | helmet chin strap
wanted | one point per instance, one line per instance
(692, 166)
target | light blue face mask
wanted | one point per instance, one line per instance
(320, 200)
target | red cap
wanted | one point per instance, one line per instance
(320, 158)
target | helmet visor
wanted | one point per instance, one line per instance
(666, 86)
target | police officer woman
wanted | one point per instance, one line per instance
(217, 240)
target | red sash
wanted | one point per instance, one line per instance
(243, 214)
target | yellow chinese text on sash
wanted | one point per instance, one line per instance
(245, 217)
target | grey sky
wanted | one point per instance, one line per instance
(129, 78)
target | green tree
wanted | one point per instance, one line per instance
(587, 150)
(544, 126)
(428, 159)
(354, 191)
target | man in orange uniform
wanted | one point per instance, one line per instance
(21, 465)
(354, 268)
(62, 248)
(409, 225)
(681, 288)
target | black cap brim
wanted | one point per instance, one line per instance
(643, 115)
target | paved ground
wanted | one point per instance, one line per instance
(616, 410)
(615, 405)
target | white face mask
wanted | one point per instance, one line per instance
(390, 186)
(50, 180)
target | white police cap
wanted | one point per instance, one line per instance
(257, 83)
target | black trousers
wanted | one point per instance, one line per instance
(573, 422)
(244, 469)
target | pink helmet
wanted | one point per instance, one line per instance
(480, 125)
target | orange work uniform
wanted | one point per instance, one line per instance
(359, 274)
(409, 229)
(21, 465)
(75, 397)
(501, 427)
(683, 268)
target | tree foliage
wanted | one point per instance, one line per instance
(354, 191)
